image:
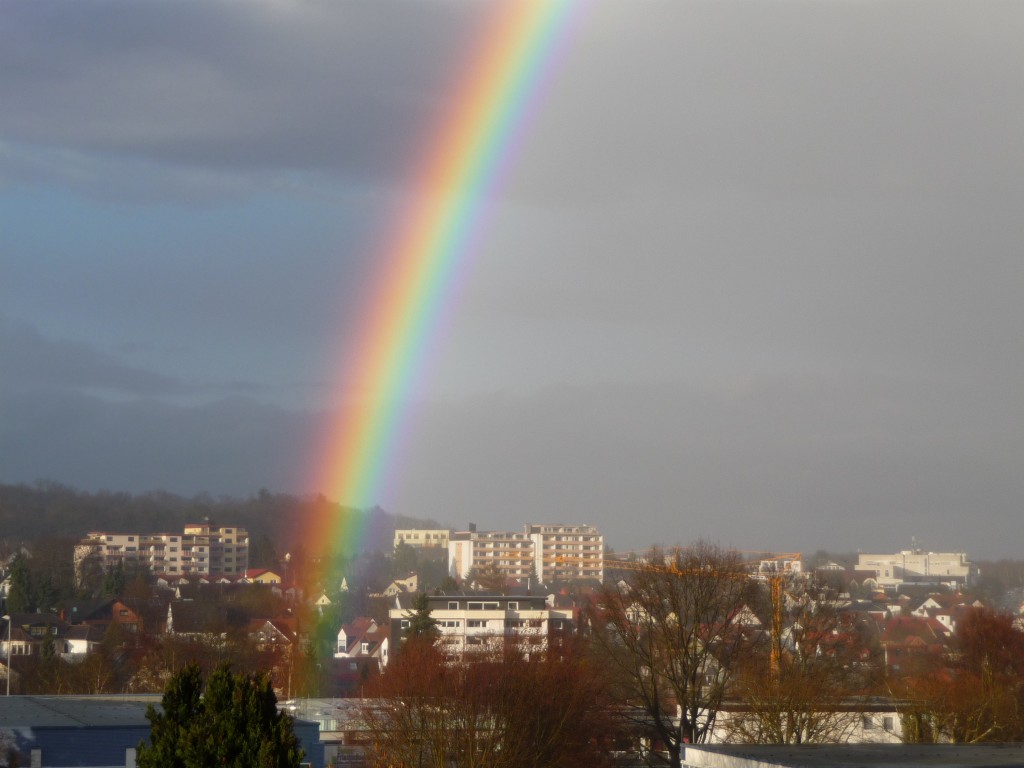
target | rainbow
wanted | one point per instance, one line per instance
(466, 158)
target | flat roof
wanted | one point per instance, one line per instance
(855, 756)
(127, 710)
(75, 711)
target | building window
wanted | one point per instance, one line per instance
(513, 606)
(453, 605)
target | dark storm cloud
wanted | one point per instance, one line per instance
(324, 87)
(232, 446)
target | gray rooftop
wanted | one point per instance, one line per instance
(75, 711)
(856, 756)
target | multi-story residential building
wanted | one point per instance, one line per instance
(201, 549)
(423, 538)
(215, 550)
(508, 553)
(917, 566)
(545, 552)
(468, 623)
(567, 552)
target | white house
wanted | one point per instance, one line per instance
(363, 638)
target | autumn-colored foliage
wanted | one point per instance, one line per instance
(976, 695)
(503, 709)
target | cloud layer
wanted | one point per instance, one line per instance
(754, 276)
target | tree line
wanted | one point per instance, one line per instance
(41, 510)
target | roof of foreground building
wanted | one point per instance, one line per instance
(855, 756)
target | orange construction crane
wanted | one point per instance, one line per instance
(788, 563)
(780, 565)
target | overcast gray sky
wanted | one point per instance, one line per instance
(755, 277)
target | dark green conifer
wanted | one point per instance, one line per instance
(421, 623)
(234, 722)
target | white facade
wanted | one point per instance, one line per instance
(870, 723)
(425, 538)
(567, 552)
(917, 566)
(545, 552)
(469, 623)
(509, 553)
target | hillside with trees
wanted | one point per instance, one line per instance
(47, 509)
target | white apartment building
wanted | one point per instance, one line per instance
(469, 623)
(509, 553)
(222, 550)
(423, 538)
(545, 552)
(201, 549)
(916, 566)
(567, 552)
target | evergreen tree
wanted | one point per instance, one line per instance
(19, 596)
(49, 646)
(234, 722)
(263, 553)
(181, 710)
(46, 595)
(113, 584)
(421, 623)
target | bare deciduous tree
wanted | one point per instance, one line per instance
(806, 695)
(668, 635)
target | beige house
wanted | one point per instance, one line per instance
(261, 576)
